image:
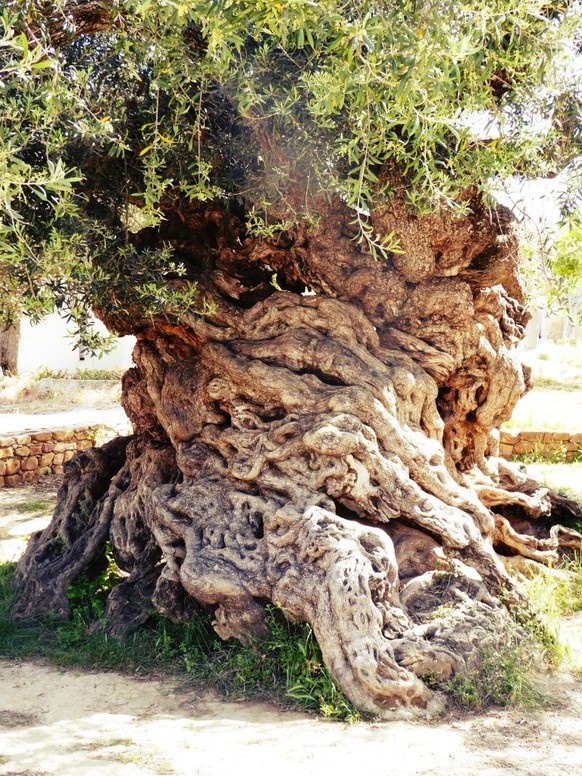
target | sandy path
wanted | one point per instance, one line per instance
(72, 723)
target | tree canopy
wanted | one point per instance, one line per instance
(113, 110)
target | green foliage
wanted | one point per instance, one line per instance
(256, 103)
(87, 595)
(557, 252)
(557, 454)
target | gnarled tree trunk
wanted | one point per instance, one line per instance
(329, 447)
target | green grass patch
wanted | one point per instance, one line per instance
(557, 593)
(565, 478)
(79, 374)
(503, 678)
(556, 385)
(30, 507)
(559, 454)
(285, 668)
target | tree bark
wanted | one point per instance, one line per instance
(329, 447)
(9, 342)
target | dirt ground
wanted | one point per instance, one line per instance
(29, 395)
(72, 723)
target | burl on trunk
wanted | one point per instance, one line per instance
(329, 447)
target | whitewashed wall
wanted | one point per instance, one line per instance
(47, 345)
(543, 327)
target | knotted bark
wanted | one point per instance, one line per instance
(327, 447)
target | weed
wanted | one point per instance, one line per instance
(502, 678)
(556, 454)
(565, 478)
(88, 593)
(556, 593)
(118, 742)
(144, 762)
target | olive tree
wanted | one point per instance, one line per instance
(288, 204)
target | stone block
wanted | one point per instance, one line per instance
(59, 458)
(43, 470)
(70, 445)
(2, 468)
(22, 452)
(13, 481)
(47, 447)
(561, 436)
(508, 437)
(12, 466)
(63, 436)
(35, 449)
(28, 464)
(505, 451)
(5, 452)
(85, 444)
(57, 469)
(59, 447)
(576, 439)
(23, 439)
(46, 459)
(531, 436)
(1, 481)
(523, 447)
(69, 454)
(42, 436)
(29, 475)
(7, 441)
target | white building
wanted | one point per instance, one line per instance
(48, 345)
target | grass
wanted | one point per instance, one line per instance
(79, 374)
(286, 668)
(31, 393)
(557, 593)
(505, 675)
(566, 478)
(30, 507)
(558, 454)
(503, 678)
(556, 385)
(555, 404)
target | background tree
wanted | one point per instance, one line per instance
(287, 204)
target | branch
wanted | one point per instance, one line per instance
(59, 26)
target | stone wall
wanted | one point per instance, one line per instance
(26, 456)
(29, 455)
(557, 445)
